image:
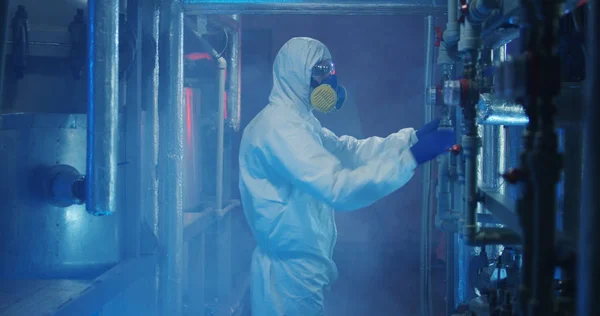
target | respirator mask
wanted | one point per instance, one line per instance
(326, 94)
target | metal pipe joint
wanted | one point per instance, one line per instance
(480, 10)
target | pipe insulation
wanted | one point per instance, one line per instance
(170, 157)
(103, 107)
(589, 235)
(426, 212)
(235, 76)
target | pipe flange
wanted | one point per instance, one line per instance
(61, 185)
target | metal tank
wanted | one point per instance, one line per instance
(37, 239)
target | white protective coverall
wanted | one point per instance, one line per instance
(294, 173)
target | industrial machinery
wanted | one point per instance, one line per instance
(510, 196)
(99, 217)
(96, 204)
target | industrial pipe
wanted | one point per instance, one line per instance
(452, 32)
(150, 120)
(221, 78)
(314, 7)
(103, 107)
(546, 161)
(222, 64)
(150, 93)
(494, 138)
(223, 255)
(426, 212)
(589, 237)
(235, 76)
(3, 40)
(496, 111)
(529, 37)
(170, 157)
(480, 10)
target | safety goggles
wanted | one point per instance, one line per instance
(323, 69)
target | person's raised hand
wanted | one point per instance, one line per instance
(432, 144)
(428, 128)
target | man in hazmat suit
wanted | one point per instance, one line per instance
(294, 173)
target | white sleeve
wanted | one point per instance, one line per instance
(295, 152)
(360, 151)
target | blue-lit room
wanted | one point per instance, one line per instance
(299, 158)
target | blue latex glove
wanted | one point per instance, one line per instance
(429, 127)
(432, 144)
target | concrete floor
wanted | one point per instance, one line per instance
(381, 283)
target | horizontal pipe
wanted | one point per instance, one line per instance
(228, 22)
(103, 107)
(480, 10)
(314, 7)
(489, 236)
(494, 110)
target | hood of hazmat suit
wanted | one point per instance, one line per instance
(294, 173)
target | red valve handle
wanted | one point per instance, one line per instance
(513, 176)
(455, 149)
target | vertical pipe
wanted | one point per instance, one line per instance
(170, 158)
(470, 46)
(224, 226)
(103, 106)
(235, 72)
(452, 11)
(546, 161)
(525, 197)
(3, 40)
(513, 144)
(133, 140)
(196, 274)
(150, 135)
(463, 291)
(573, 172)
(222, 64)
(451, 34)
(150, 132)
(589, 239)
(450, 276)
(426, 206)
